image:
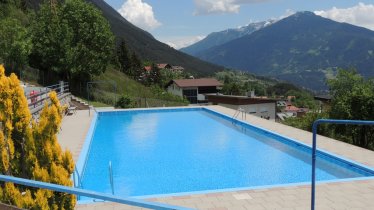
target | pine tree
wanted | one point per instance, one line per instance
(123, 57)
(135, 64)
(156, 75)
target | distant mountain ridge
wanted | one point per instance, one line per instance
(222, 37)
(144, 44)
(303, 49)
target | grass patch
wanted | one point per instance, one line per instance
(114, 84)
(95, 103)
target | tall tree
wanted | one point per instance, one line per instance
(155, 75)
(73, 40)
(52, 52)
(353, 99)
(136, 66)
(123, 57)
(15, 43)
(93, 41)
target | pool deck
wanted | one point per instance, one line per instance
(357, 194)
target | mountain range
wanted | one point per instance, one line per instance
(222, 37)
(304, 49)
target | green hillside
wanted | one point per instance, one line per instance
(111, 85)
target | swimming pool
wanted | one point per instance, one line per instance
(163, 151)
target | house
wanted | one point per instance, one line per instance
(290, 98)
(194, 89)
(323, 98)
(324, 101)
(295, 111)
(177, 69)
(164, 66)
(291, 109)
(261, 107)
(147, 68)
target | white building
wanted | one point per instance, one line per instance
(260, 107)
(193, 90)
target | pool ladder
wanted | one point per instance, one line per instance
(238, 112)
(77, 180)
(111, 177)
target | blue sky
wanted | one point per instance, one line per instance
(182, 22)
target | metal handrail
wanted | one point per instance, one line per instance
(48, 89)
(237, 113)
(111, 177)
(43, 94)
(79, 178)
(92, 194)
(314, 129)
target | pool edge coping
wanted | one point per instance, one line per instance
(295, 141)
(89, 136)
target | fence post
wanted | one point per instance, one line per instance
(61, 87)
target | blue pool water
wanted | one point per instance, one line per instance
(161, 152)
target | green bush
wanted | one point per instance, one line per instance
(125, 102)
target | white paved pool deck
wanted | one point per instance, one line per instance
(337, 195)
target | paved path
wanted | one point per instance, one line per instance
(73, 131)
(339, 195)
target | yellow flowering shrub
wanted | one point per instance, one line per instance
(30, 149)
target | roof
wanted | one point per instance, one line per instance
(204, 82)
(237, 100)
(163, 65)
(177, 68)
(148, 68)
(323, 97)
(291, 108)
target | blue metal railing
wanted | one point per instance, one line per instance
(87, 193)
(314, 129)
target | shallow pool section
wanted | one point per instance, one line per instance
(195, 149)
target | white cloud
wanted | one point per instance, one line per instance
(139, 14)
(288, 12)
(204, 7)
(360, 15)
(180, 42)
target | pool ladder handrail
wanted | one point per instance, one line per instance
(237, 113)
(111, 177)
(79, 180)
